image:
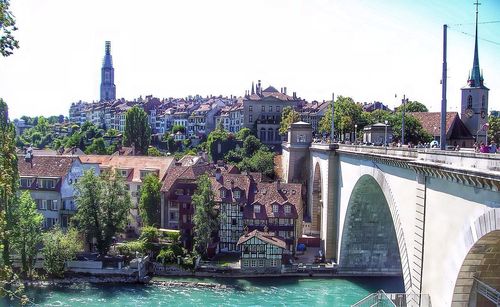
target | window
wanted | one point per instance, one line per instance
(256, 208)
(270, 134)
(261, 263)
(26, 182)
(223, 193)
(250, 109)
(43, 204)
(236, 194)
(263, 108)
(270, 108)
(275, 208)
(123, 173)
(245, 263)
(469, 102)
(233, 222)
(47, 183)
(253, 263)
(277, 108)
(274, 262)
(250, 118)
(288, 209)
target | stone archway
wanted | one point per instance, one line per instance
(482, 261)
(372, 235)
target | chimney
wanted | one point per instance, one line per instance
(284, 90)
(259, 86)
(294, 95)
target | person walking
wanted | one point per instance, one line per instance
(493, 147)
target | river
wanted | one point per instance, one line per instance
(248, 292)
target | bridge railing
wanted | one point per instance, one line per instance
(487, 291)
(395, 299)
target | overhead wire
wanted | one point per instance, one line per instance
(452, 27)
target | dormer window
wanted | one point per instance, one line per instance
(123, 173)
(256, 208)
(222, 193)
(275, 208)
(288, 209)
(236, 194)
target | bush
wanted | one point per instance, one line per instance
(166, 256)
(130, 248)
(149, 234)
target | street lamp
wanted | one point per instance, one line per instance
(355, 132)
(435, 133)
(385, 135)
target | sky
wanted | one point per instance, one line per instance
(370, 50)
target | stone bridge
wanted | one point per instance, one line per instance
(431, 216)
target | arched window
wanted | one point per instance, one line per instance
(483, 102)
(469, 102)
(263, 135)
(270, 135)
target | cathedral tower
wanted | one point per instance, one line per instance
(108, 88)
(474, 110)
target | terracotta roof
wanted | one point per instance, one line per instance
(182, 172)
(45, 166)
(263, 236)
(429, 120)
(274, 193)
(232, 182)
(135, 163)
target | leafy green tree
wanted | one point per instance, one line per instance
(9, 178)
(347, 114)
(103, 207)
(413, 106)
(59, 247)
(206, 221)
(137, 130)
(494, 129)
(222, 137)
(97, 147)
(149, 204)
(251, 145)
(243, 134)
(413, 129)
(26, 231)
(7, 25)
(154, 152)
(288, 117)
(177, 128)
(112, 132)
(262, 161)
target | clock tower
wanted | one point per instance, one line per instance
(108, 88)
(474, 110)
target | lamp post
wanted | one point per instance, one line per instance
(385, 135)
(355, 133)
(435, 133)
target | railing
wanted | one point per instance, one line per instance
(395, 299)
(487, 291)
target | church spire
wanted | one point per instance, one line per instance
(476, 80)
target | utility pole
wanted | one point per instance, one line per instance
(332, 134)
(403, 122)
(442, 139)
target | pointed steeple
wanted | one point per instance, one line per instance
(476, 79)
(108, 88)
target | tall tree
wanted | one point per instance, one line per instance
(494, 129)
(413, 106)
(347, 114)
(149, 204)
(9, 178)
(103, 207)
(7, 25)
(206, 221)
(243, 134)
(288, 117)
(26, 231)
(137, 130)
(59, 247)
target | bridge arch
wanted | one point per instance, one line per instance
(316, 201)
(372, 239)
(482, 261)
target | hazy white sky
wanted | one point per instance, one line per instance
(367, 49)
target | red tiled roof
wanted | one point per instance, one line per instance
(263, 236)
(429, 120)
(184, 172)
(268, 194)
(45, 166)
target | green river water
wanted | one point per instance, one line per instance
(248, 292)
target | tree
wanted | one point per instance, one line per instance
(7, 25)
(9, 178)
(97, 147)
(251, 145)
(59, 247)
(177, 128)
(26, 231)
(154, 152)
(149, 204)
(494, 129)
(288, 117)
(243, 134)
(413, 129)
(262, 161)
(413, 106)
(347, 114)
(137, 130)
(206, 221)
(103, 207)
